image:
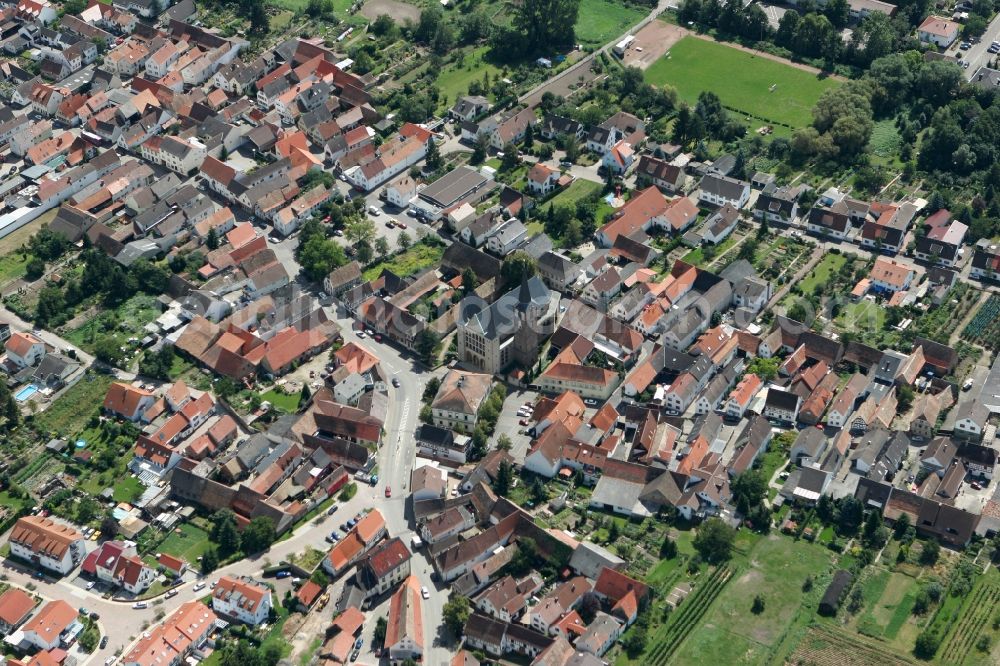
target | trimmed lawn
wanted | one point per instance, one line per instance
(577, 190)
(281, 400)
(863, 315)
(822, 272)
(187, 542)
(405, 264)
(12, 267)
(694, 65)
(128, 489)
(730, 634)
(601, 21)
(454, 80)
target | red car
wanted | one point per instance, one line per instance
(523, 422)
(388, 491)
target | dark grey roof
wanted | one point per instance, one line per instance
(500, 319)
(723, 186)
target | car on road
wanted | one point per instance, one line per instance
(110, 660)
(104, 642)
(170, 594)
(332, 510)
(967, 385)
(373, 210)
(388, 491)
(355, 655)
(425, 593)
(358, 643)
(395, 382)
(139, 605)
(199, 587)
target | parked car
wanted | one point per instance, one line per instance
(388, 491)
(282, 574)
(395, 382)
(198, 587)
(139, 605)
(104, 642)
(424, 592)
(91, 585)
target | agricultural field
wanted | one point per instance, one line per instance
(984, 329)
(601, 21)
(126, 321)
(65, 417)
(974, 636)
(827, 645)
(940, 322)
(768, 90)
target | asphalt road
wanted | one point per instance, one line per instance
(977, 56)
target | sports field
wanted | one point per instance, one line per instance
(741, 80)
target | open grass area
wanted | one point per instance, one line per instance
(730, 634)
(187, 542)
(577, 190)
(281, 400)
(12, 267)
(601, 21)
(830, 264)
(454, 80)
(70, 412)
(764, 88)
(404, 264)
(864, 315)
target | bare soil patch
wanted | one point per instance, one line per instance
(399, 11)
(652, 42)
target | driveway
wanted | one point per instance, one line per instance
(508, 423)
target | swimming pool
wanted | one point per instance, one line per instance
(26, 393)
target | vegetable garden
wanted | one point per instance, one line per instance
(978, 611)
(825, 645)
(984, 329)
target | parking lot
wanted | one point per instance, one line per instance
(509, 423)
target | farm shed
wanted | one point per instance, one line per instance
(835, 592)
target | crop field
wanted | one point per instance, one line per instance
(978, 611)
(825, 645)
(768, 90)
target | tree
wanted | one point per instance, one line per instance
(107, 350)
(504, 443)
(469, 281)
(668, 549)
(209, 560)
(212, 239)
(378, 635)
(546, 24)
(404, 241)
(224, 533)
(510, 160)
(34, 269)
(901, 527)
(930, 553)
(904, 397)
(433, 159)
(109, 526)
(157, 364)
(874, 534)
(749, 488)
(927, 644)
(427, 345)
(517, 267)
(258, 535)
(381, 246)
(590, 603)
(635, 640)
(319, 256)
(505, 477)
(714, 541)
(89, 637)
(359, 229)
(455, 613)
(365, 252)
(758, 605)
(51, 306)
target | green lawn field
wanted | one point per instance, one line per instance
(454, 80)
(730, 634)
(187, 542)
(600, 21)
(741, 80)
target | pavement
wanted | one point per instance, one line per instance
(978, 55)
